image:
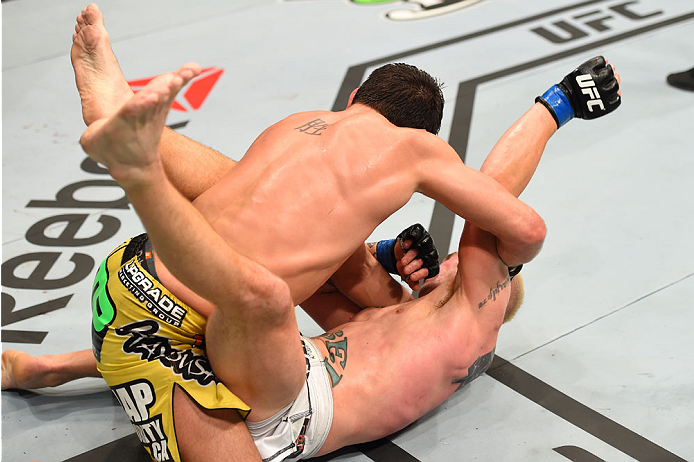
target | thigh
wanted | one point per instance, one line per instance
(210, 435)
(260, 358)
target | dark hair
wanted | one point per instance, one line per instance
(405, 95)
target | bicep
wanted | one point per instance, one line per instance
(484, 278)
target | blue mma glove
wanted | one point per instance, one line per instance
(421, 241)
(589, 92)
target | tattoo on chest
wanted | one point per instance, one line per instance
(372, 248)
(477, 369)
(314, 127)
(494, 291)
(336, 361)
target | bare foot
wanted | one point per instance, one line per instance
(25, 372)
(21, 371)
(126, 143)
(101, 84)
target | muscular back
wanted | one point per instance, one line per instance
(311, 189)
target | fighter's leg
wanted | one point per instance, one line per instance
(210, 435)
(252, 338)
(191, 166)
(23, 371)
(100, 82)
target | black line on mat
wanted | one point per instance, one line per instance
(126, 449)
(129, 448)
(580, 415)
(354, 74)
(178, 125)
(577, 454)
(462, 114)
(384, 450)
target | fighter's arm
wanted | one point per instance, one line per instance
(190, 166)
(365, 282)
(364, 277)
(480, 200)
(485, 282)
(512, 163)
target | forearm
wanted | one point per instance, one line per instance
(190, 166)
(364, 281)
(485, 203)
(515, 157)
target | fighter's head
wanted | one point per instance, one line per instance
(448, 272)
(405, 95)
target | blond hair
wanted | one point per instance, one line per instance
(516, 299)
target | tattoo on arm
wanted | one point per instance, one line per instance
(314, 127)
(493, 292)
(337, 355)
(477, 369)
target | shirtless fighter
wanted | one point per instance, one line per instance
(362, 380)
(461, 192)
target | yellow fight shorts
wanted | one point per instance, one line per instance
(146, 341)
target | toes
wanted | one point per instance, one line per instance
(188, 71)
(92, 14)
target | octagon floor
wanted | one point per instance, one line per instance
(599, 364)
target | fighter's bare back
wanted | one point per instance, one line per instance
(314, 186)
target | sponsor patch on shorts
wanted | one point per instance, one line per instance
(156, 301)
(137, 397)
(142, 341)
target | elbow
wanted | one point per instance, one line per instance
(538, 230)
(527, 240)
(534, 231)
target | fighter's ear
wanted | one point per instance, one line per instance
(351, 97)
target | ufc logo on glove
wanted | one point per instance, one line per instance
(588, 88)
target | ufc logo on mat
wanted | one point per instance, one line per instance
(588, 88)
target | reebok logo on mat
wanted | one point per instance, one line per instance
(194, 94)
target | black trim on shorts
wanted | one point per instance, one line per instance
(137, 247)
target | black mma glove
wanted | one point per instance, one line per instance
(589, 92)
(422, 242)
